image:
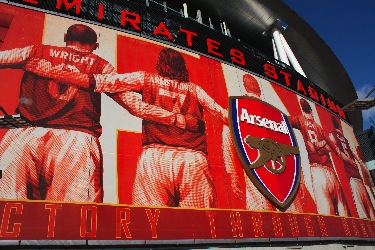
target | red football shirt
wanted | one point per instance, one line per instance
(46, 103)
(174, 96)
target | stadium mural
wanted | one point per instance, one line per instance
(133, 139)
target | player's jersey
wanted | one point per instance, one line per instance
(312, 132)
(177, 97)
(343, 145)
(49, 104)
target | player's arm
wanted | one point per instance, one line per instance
(229, 162)
(310, 147)
(15, 56)
(323, 146)
(210, 105)
(294, 121)
(331, 141)
(44, 68)
(347, 159)
(116, 83)
(342, 155)
(109, 83)
(132, 102)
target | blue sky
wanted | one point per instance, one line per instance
(348, 27)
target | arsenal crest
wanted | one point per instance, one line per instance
(267, 147)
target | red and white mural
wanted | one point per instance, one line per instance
(131, 139)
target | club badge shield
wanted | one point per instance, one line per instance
(267, 148)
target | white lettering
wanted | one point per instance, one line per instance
(75, 58)
(259, 121)
(85, 60)
(64, 55)
(92, 61)
(54, 53)
(245, 116)
(252, 118)
(263, 122)
(71, 57)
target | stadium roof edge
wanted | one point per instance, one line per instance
(253, 17)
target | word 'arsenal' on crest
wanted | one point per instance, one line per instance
(264, 122)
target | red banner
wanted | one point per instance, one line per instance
(63, 221)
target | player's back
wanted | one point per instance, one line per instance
(312, 134)
(343, 145)
(47, 103)
(176, 97)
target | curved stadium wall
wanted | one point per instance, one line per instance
(229, 155)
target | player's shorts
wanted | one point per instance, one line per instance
(171, 176)
(254, 199)
(327, 191)
(362, 200)
(51, 164)
(303, 201)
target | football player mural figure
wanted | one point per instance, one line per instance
(173, 168)
(360, 194)
(60, 157)
(326, 186)
(367, 179)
